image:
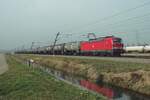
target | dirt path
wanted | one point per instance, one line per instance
(3, 64)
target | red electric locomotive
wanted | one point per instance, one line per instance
(106, 46)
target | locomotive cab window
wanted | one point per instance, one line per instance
(117, 40)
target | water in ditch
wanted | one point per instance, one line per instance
(109, 91)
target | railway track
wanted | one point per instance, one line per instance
(137, 58)
(137, 55)
(117, 59)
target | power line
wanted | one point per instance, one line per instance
(126, 20)
(114, 15)
(108, 29)
(126, 27)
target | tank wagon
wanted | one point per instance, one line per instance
(134, 49)
(147, 49)
(105, 46)
(138, 49)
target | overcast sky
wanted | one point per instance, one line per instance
(25, 21)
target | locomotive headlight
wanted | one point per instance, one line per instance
(93, 46)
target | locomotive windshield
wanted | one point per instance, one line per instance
(117, 40)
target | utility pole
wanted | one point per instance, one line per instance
(32, 45)
(56, 39)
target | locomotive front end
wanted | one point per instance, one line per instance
(117, 46)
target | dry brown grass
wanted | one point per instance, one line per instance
(137, 81)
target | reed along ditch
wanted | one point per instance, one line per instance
(98, 87)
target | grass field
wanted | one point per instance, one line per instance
(134, 76)
(25, 83)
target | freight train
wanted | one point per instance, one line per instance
(102, 46)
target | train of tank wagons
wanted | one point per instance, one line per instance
(102, 46)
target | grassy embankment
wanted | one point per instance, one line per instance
(21, 82)
(134, 76)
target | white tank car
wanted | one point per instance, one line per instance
(48, 48)
(41, 49)
(72, 46)
(147, 48)
(58, 47)
(139, 49)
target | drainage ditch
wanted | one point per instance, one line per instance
(107, 90)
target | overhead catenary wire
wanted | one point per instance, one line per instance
(114, 15)
(109, 30)
(119, 23)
